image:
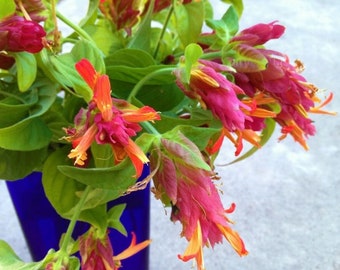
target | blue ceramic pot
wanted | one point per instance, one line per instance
(42, 226)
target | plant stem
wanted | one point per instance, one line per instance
(165, 25)
(12, 96)
(68, 235)
(147, 77)
(76, 28)
(149, 128)
(211, 55)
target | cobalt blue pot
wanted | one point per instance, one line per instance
(43, 227)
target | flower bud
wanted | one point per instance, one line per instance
(21, 35)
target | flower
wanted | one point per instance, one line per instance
(280, 80)
(97, 253)
(134, 94)
(106, 124)
(215, 92)
(194, 198)
(18, 34)
(130, 251)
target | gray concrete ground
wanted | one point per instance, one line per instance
(287, 199)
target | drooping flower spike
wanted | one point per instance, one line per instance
(105, 123)
(278, 79)
(186, 183)
(239, 114)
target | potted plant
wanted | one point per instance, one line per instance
(144, 94)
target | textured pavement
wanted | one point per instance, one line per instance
(287, 199)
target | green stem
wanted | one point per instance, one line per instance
(48, 68)
(12, 96)
(76, 28)
(68, 235)
(212, 55)
(155, 73)
(165, 25)
(149, 128)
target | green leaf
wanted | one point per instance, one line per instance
(192, 53)
(265, 136)
(102, 155)
(184, 150)
(200, 136)
(189, 21)
(231, 20)
(65, 65)
(107, 40)
(160, 97)
(85, 49)
(10, 261)
(60, 190)
(141, 38)
(31, 132)
(237, 4)
(55, 122)
(94, 213)
(91, 12)
(224, 29)
(116, 178)
(127, 67)
(15, 108)
(132, 65)
(26, 68)
(245, 58)
(114, 215)
(145, 141)
(198, 118)
(7, 8)
(130, 58)
(64, 192)
(135, 74)
(28, 160)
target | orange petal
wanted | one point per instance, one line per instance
(234, 239)
(317, 109)
(87, 71)
(132, 249)
(214, 147)
(102, 97)
(145, 113)
(137, 156)
(195, 249)
(85, 142)
(293, 129)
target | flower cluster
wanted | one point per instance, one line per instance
(107, 121)
(142, 87)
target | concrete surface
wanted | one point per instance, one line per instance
(287, 199)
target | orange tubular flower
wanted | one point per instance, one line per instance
(106, 123)
(130, 251)
(194, 249)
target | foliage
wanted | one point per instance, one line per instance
(150, 90)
